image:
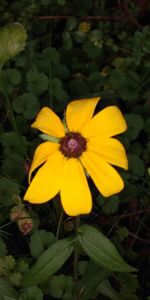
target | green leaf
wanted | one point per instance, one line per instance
(111, 205)
(3, 248)
(50, 261)
(71, 23)
(12, 41)
(13, 166)
(106, 289)
(91, 50)
(60, 284)
(129, 284)
(6, 289)
(90, 280)
(37, 82)
(6, 195)
(136, 165)
(101, 250)
(67, 40)
(31, 293)
(50, 55)
(40, 240)
(11, 143)
(135, 125)
(26, 104)
(15, 278)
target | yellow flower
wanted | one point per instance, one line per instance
(85, 145)
(84, 26)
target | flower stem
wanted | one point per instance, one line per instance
(59, 224)
(76, 258)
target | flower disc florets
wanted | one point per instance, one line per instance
(73, 144)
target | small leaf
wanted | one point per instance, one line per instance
(67, 40)
(71, 23)
(39, 241)
(136, 165)
(60, 284)
(31, 293)
(7, 194)
(37, 82)
(50, 261)
(101, 250)
(6, 289)
(3, 248)
(50, 54)
(26, 104)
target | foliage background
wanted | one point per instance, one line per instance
(82, 49)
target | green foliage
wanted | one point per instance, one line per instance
(99, 48)
(12, 41)
(6, 194)
(31, 293)
(40, 240)
(49, 262)
(101, 250)
(60, 287)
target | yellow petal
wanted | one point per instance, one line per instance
(75, 193)
(110, 149)
(106, 123)
(47, 181)
(48, 122)
(42, 153)
(105, 177)
(79, 112)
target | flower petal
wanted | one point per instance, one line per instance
(106, 123)
(47, 181)
(105, 177)
(110, 149)
(48, 122)
(42, 153)
(79, 112)
(75, 193)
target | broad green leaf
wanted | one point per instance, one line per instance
(50, 261)
(100, 249)
(6, 289)
(12, 41)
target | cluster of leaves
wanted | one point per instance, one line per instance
(69, 56)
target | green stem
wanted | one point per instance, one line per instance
(59, 224)
(76, 258)
(11, 113)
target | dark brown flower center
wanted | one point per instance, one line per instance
(73, 144)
